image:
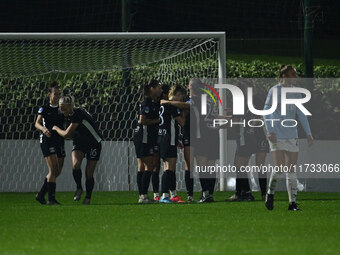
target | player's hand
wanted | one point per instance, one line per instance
(55, 128)
(272, 137)
(163, 101)
(310, 140)
(46, 132)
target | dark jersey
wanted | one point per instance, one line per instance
(168, 127)
(87, 131)
(147, 133)
(247, 135)
(51, 116)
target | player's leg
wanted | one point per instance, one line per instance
(243, 192)
(77, 159)
(204, 180)
(47, 151)
(260, 160)
(155, 174)
(92, 155)
(53, 166)
(212, 178)
(189, 181)
(168, 178)
(89, 183)
(291, 179)
(140, 172)
(279, 160)
(149, 166)
(61, 156)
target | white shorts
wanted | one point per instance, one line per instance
(291, 145)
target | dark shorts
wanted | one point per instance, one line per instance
(253, 144)
(144, 149)
(167, 151)
(49, 148)
(91, 151)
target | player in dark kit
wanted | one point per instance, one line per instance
(206, 138)
(185, 107)
(86, 142)
(169, 119)
(157, 161)
(250, 140)
(145, 136)
(52, 145)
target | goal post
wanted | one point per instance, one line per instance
(90, 65)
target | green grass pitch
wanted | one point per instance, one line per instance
(116, 224)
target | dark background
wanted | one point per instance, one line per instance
(240, 18)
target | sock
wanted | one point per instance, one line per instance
(155, 182)
(77, 177)
(89, 187)
(165, 195)
(173, 193)
(43, 189)
(291, 182)
(263, 185)
(51, 190)
(165, 182)
(172, 182)
(139, 182)
(204, 184)
(205, 193)
(189, 183)
(212, 182)
(146, 182)
(272, 182)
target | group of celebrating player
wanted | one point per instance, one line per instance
(163, 128)
(86, 142)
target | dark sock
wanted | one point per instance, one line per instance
(139, 182)
(43, 189)
(165, 182)
(172, 178)
(212, 183)
(204, 184)
(238, 186)
(146, 182)
(263, 185)
(189, 183)
(51, 191)
(155, 182)
(77, 177)
(89, 187)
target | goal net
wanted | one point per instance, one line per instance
(104, 72)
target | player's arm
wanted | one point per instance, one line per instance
(177, 104)
(305, 124)
(270, 129)
(143, 120)
(38, 125)
(68, 132)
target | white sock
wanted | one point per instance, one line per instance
(165, 195)
(173, 193)
(272, 182)
(205, 193)
(155, 195)
(291, 182)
